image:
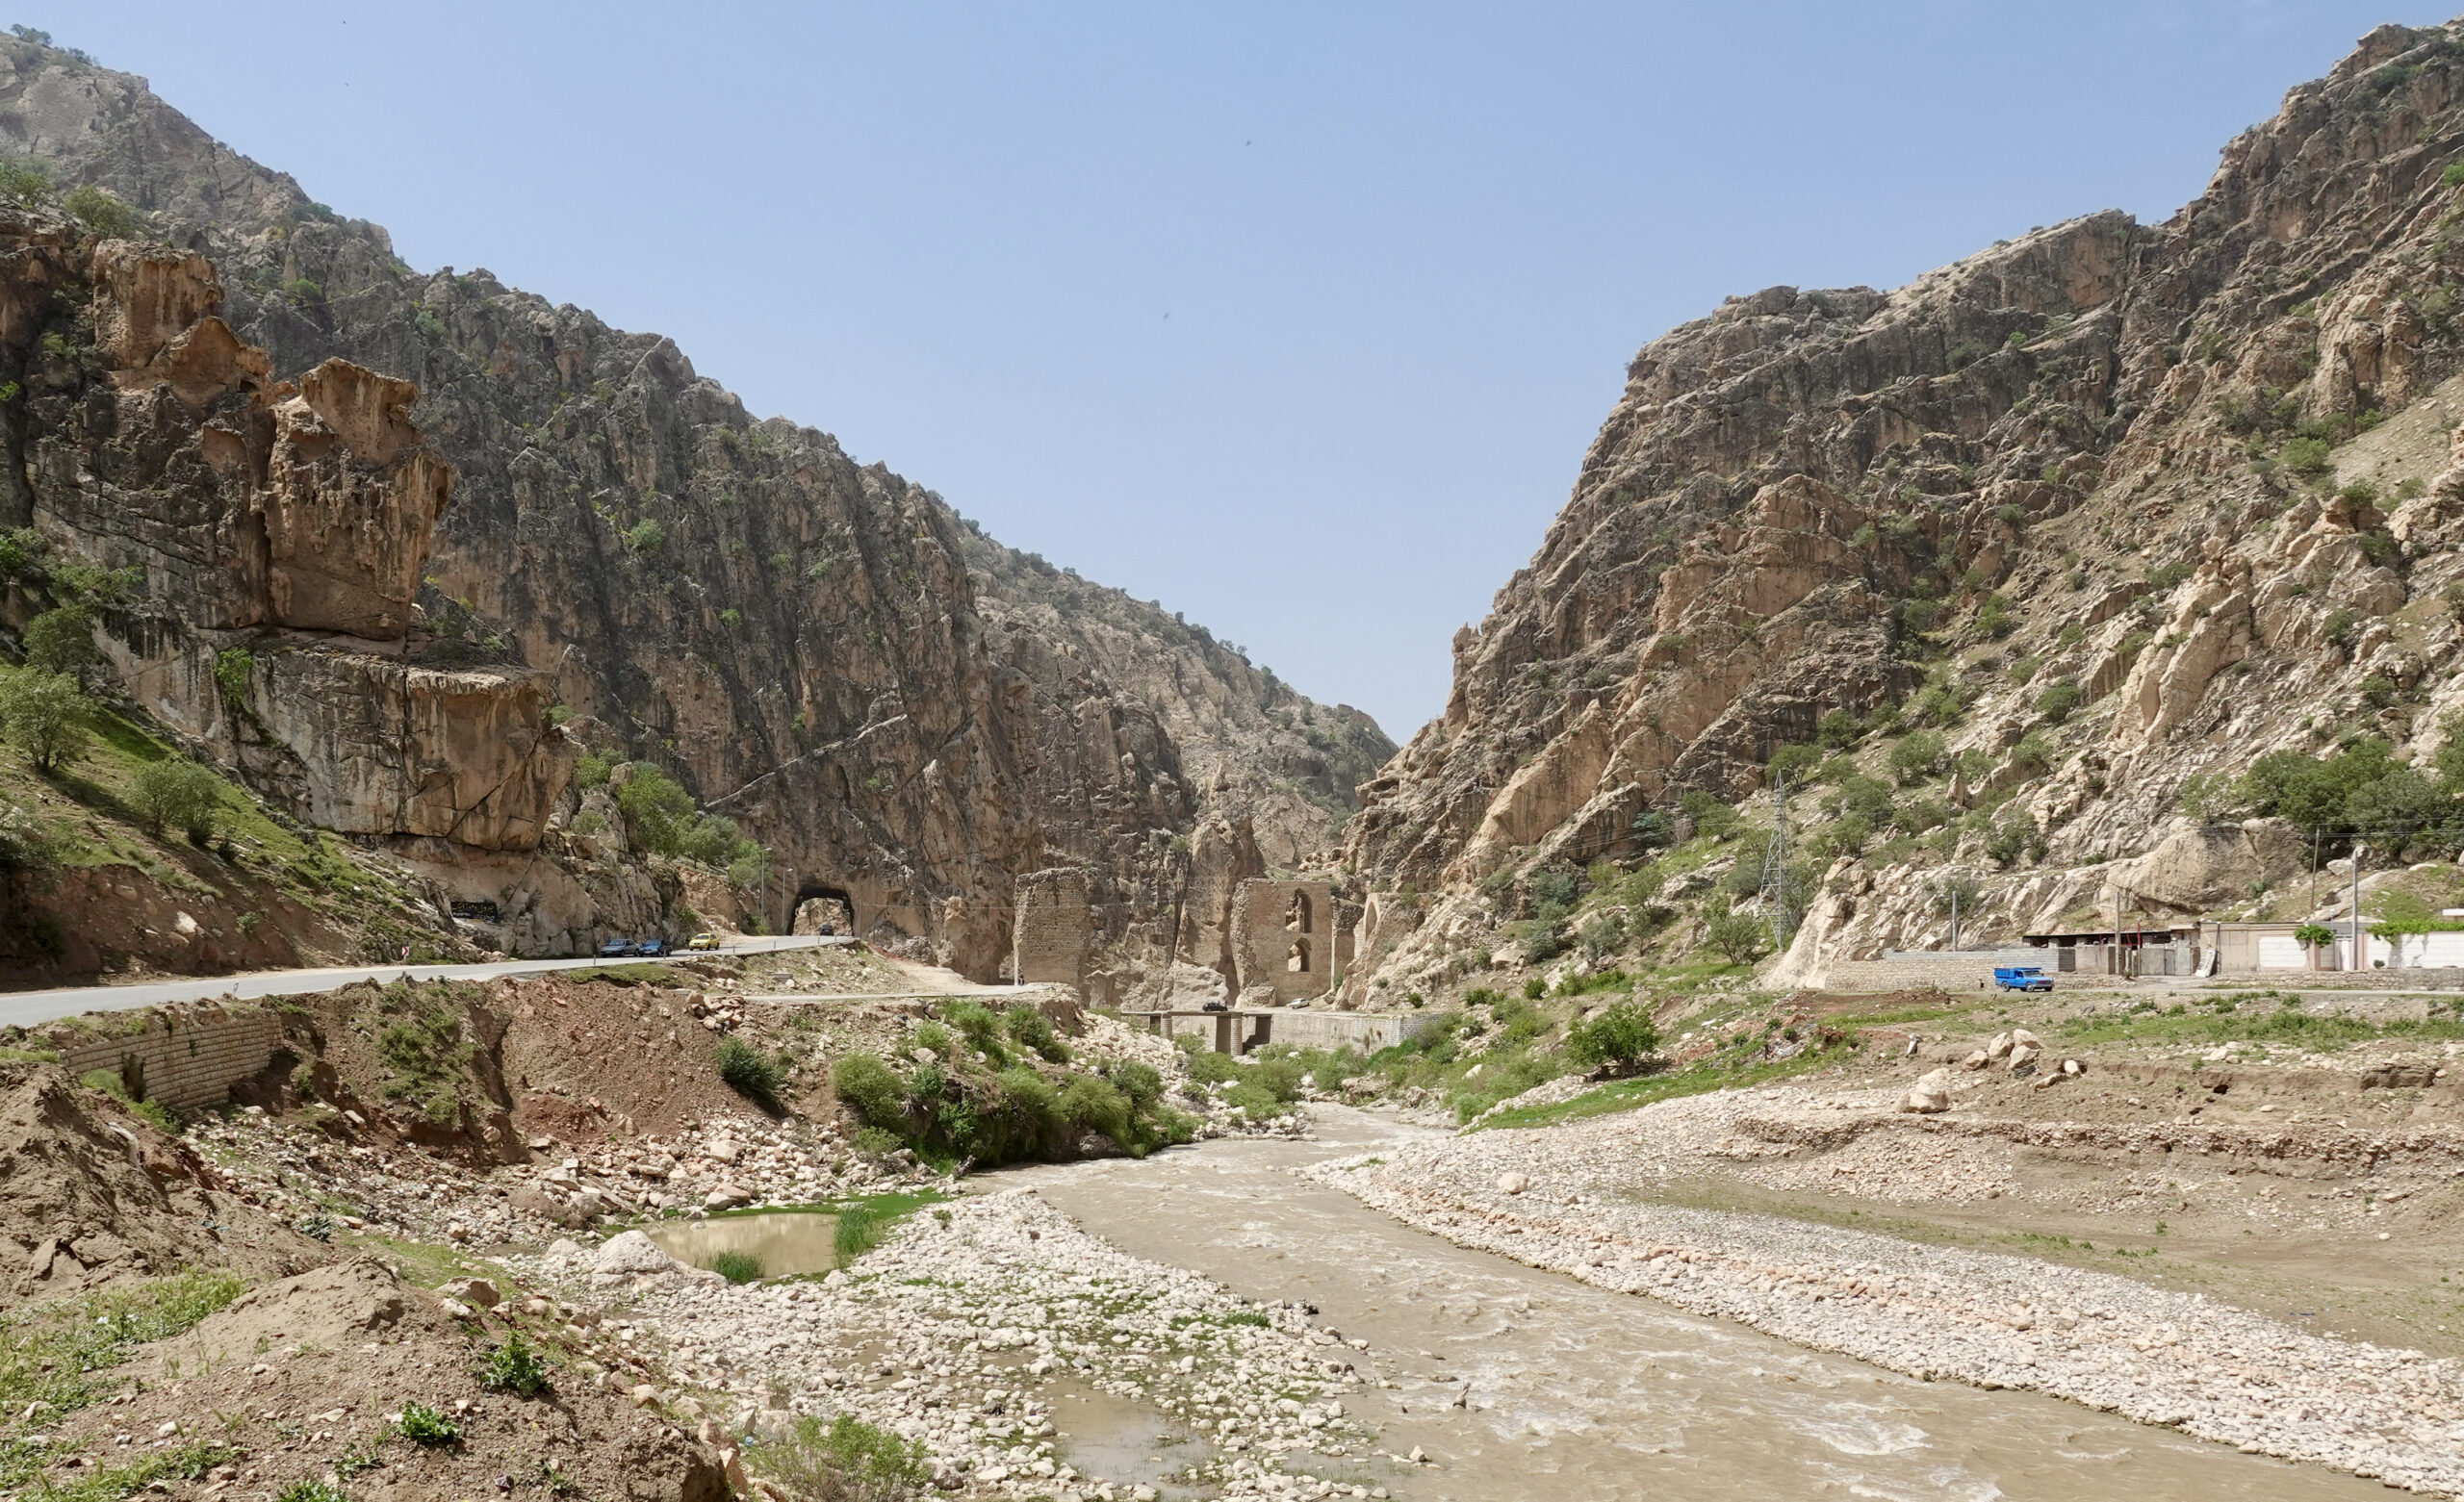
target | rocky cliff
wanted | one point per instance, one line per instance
(797, 637)
(2112, 508)
(1245, 741)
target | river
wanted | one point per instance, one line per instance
(1578, 1394)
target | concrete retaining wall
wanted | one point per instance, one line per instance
(1962, 972)
(191, 1057)
(1311, 1028)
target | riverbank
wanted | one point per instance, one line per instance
(1577, 1199)
(1028, 1358)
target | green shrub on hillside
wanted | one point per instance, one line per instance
(1917, 756)
(1031, 1028)
(177, 794)
(1711, 818)
(24, 181)
(1838, 730)
(1738, 937)
(1793, 762)
(1620, 1035)
(869, 1088)
(61, 639)
(46, 716)
(101, 213)
(749, 1072)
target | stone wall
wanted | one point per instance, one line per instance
(1283, 941)
(1311, 1028)
(1960, 972)
(190, 1056)
(1052, 929)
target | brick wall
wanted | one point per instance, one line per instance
(192, 1056)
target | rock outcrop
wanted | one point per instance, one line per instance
(2193, 475)
(262, 545)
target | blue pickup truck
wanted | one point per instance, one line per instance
(2022, 978)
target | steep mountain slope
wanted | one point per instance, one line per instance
(2101, 506)
(797, 637)
(1247, 739)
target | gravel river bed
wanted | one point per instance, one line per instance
(1517, 1383)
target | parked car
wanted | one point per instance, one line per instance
(703, 941)
(619, 948)
(2022, 978)
(652, 948)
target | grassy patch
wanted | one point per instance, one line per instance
(844, 1460)
(424, 1048)
(1696, 1079)
(48, 1353)
(1938, 1012)
(2247, 1019)
(864, 1224)
(187, 1463)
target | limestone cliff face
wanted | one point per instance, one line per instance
(800, 638)
(1246, 742)
(271, 539)
(2086, 455)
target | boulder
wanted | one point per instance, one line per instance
(727, 1196)
(1513, 1183)
(1929, 1094)
(477, 1291)
(630, 1253)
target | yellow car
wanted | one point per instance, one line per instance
(703, 941)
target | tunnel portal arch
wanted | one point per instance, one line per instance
(823, 891)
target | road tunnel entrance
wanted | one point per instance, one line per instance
(821, 909)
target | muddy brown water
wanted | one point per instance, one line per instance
(787, 1243)
(1575, 1392)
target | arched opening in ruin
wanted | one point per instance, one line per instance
(820, 908)
(1296, 917)
(1298, 962)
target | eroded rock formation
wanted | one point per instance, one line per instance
(269, 539)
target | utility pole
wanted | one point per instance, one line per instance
(2359, 961)
(1954, 911)
(1775, 867)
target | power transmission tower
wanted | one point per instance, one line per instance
(1776, 899)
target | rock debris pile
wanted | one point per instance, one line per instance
(400, 1190)
(968, 1332)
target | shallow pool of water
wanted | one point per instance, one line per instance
(784, 1243)
(1124, 1441)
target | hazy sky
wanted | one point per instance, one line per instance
(1296, 317)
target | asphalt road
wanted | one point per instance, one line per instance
(26, 1008)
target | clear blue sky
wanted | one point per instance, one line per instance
(1295, 317)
